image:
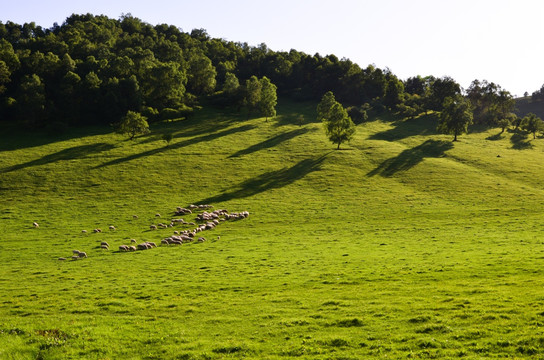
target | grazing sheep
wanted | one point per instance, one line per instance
(157, 215)
(105, 247)
(62, 258)
(75, 252)
(35, 224)
(201, 239)
(177, 242)
(134, 216)
(165, 242)
(153, 227)
(82, 254)
(75, 257)
(112, 227)
(133, 241)
(143, 246)
(104, 243)
(84, 231)
(132, 248)
(183, 211)
(123, 248)
(152, 244)
(97, 230)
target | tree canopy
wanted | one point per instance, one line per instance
(456, 116)
(338, 125)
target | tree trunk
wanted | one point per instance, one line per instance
(454, 137)
(338, 148)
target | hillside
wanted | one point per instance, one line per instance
(401, 244)
(526, 105)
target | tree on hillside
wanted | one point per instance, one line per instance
(231, 84)
(269, 98)
(253, 94)
(491, 103)
(133, 123)
(532, 123)
(455, 117)
(439, 90)
(338, 125)
(325, 105)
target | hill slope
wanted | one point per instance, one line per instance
(400, 244)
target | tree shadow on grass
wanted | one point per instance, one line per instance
(519, 140)
(273, 141)
(411, 157)
(76, 152)
(495, 137)
(15, 138)
(192, 141)
(269, 180)
(404, 128)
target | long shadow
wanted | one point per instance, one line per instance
(273, 141)
(16, 138)
(178, 145)
(495, 137)
(519, 140)
(422, 125)
(269, 180)
(411, 157)
(76, 152)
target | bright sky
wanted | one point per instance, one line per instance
(495, 40)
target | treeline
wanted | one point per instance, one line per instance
(94, 70)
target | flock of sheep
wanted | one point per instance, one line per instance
(205, 220)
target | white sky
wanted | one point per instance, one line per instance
(495, 40)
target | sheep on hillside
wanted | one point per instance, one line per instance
(123, 248)
(35, 224)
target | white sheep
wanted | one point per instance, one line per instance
(112, 227)
(35, 224)
(82, 254)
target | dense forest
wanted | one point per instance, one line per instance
(94, 70)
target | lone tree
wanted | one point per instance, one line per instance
(133, 123)
(532, 124)
(253, 94)
(338, 125)
(456, 116)
(269, 98)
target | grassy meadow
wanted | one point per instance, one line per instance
(400, 245)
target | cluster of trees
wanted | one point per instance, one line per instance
(97, 70)
(93, 70)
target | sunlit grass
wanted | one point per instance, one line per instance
(402, 244)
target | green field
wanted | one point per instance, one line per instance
(400, 245)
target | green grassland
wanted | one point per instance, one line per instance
(400, 245)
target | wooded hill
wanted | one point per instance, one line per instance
(93, 70)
